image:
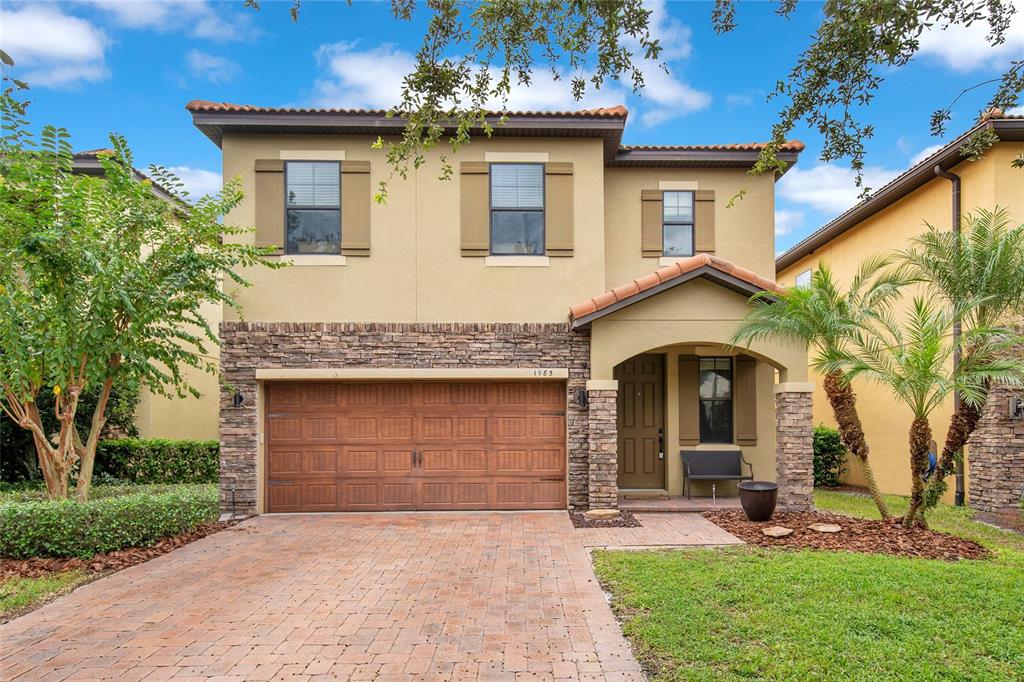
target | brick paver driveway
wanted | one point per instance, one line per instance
(385, 596)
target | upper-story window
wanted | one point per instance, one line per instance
(715, 386)
(313, 207)
(517, 209)
(677, 223)
(803, 279)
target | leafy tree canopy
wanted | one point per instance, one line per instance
(474, 53)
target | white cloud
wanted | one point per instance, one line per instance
(55, 49)
(966, 48)
(675, 37)
(829, 188)
(197, 18)
(1015, 111)
(787, 220)
(198, 181)
(925, 153)
(673, 97)
(373, 78)
(215, 69)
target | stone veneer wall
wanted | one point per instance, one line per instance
(995, 456)
(246, 346)
(794, 450)
(604, 468)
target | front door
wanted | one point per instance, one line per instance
(641, 421)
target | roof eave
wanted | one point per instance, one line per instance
(696, 158)
(706, 271)
(1009, 130)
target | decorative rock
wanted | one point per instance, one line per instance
(777, 531)
(825, 527)
(601, 513)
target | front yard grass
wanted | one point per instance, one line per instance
(745, 612)
(18, 595)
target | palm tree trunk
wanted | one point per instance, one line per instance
(920, 440)
(844, 409)
(961, 426)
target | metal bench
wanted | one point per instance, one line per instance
(713, 465)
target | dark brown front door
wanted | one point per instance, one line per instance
(359, 446)
(641, 421)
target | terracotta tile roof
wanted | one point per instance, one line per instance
(92, 153)
(664, 275)
(205, 105)
(788, 146)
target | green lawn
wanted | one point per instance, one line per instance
(21, 594)
(744, 613)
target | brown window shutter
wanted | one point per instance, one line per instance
(652, 217)
(689, 400)
(704, 221)
(745, 400)
(475, 211)
(355, 208)
(270, 203)
(558, 220)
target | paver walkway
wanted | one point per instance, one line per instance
(456, 596)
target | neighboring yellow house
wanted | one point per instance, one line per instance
(885, 223)
(547, 329)
(155, 415)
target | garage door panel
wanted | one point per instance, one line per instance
(285, 496)
(349, 446)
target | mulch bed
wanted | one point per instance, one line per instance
(625, 519)
(111, 561)
(857, 535)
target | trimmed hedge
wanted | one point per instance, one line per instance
(158, 460)
(65, 528)
(829, 457)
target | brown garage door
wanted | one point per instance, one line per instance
(357, 446)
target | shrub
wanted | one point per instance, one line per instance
(158, 460)
(64, 528)
(829, 457)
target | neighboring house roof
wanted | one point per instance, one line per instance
(215, 119)
(87, 162)
(1008, 128)
(717, 270)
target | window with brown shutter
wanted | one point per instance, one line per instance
(558, 209)
(745, 393)
(474, 203)
(651, 242)
(689, 416)
(269, 199)
(704, 221)
(355, 208)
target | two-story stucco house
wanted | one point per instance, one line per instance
(543, 331)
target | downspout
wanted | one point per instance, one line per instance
(955, 180)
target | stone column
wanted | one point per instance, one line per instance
(794, 445)
(603, 487)
(995, 455)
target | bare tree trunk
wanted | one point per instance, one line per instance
(87, 454)
(844, 409)
(55, 472)
(920, 441)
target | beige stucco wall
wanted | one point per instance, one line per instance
(984, 185)
(195, 418)
(696, 318)
(415, 271)
(744, 232)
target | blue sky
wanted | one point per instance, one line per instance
(110, 65)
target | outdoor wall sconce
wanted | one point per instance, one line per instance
(237, 399)
(1017, 407)
(581, 398)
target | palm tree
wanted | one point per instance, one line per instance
(914, 359)
(824, 319)
(984, 263)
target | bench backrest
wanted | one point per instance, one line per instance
(713, 462)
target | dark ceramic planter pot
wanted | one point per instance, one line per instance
(758, 499)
